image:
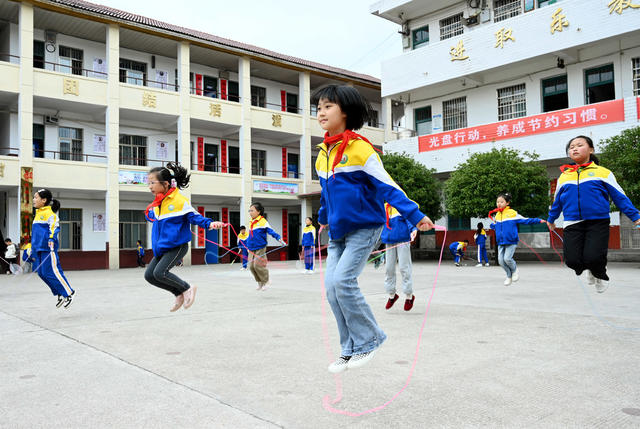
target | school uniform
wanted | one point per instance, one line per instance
(45, 230)
(396, 235)
(140, 253)
(27, 258)
(582, 195)
(308, 245)
(481, 241)
(257, 244)
(242, 244)
(506, 227)
(457, 249)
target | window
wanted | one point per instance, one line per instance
(210, 86)
(70, 140)
(132, 228)
(420, 36)
(635, 66)
(70, 229)
(599, 84)
(458, 223)
(38, 54)
(70, 60)
(422, 119)
(554, 93)
(505, 9)
(233, 91)
(542, 3)
(38, 141)
(450, 27)
(210, 157)
(133, 72)
(454, 113)
(258, 96)
(373, 118)
(314, 172)
(512, 102)
(292, 103)
(233, 153)
(258, 162)
(133, 150)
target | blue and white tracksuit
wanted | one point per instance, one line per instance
(457, 249)
(242, 244)
(46, 227)
(481, 241)
(308, 245)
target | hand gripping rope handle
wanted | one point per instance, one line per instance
(327, 401)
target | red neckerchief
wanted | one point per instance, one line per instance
(158, 200)
(496, 210)
(388, 214)
(569, 168)
(253, 222)
(345, 136)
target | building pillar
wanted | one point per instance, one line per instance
(184, 120)
(112, 136)
(244, 82)
(387, 119)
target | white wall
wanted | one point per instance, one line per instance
(273, 89)
(274, 158)
(90, 50)
(89, 130)
(90, 240)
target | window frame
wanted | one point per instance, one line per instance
(635, 75)
(141, 224)
(259, 156)
(417, 121)
(588, 86)
(452, 28)
(452, 122)
(508, 9)
(73, 142)
(71, 225)
(554, 78)
(73, 61)
(509, 104)
(127, 66)
(414, 43)
(136, 150)
(258, 98)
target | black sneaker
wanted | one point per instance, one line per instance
(60, 301)
(68, 300)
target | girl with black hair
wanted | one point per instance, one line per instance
(44, 247)
(308, 244)
(481, 239)
(582, 195)
(172, 216)
(506, 227)
(355, 186)
(257, 245)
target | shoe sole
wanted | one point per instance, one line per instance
(177, 308)
(338, 370)
(193, 298)
(360, 362)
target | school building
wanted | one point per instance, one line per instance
(522, 74)
(91, 98)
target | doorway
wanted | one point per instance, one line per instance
(294, 236)
(211, 249)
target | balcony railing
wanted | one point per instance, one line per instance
(213, 94)
(143, 81)
(9, 151)
(13, 59)
(68, 156)
(215, 168)
(279, 107)
(67, 69)
(275, 173)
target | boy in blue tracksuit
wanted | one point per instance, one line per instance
(140, 253)
(257, 245)
(506, 227)
(44, 247)
(397, 235)
(27, 258)
(457, 249)
(308, 245)
(242, 245)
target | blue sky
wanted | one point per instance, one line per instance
(340, 33)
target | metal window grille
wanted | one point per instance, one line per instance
(505, 9)
(70, 140)
(132, 228)
(133, 150)
(636, 75)
(512, 102)
(454, 113)
(450, 27)
(70, 60)
(133, 72)
(70, 229)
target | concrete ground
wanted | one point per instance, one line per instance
(540, 353)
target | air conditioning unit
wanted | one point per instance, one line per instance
(51, 120)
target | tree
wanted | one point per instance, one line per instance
(417, 181)
(472, 189)
(621, 155)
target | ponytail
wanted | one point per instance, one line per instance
(173, 172)
(480, 228)
(55, 205)
(47, 196)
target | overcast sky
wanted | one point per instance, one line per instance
(340, 33)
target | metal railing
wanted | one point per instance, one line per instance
(67, 69)
(279, 107)
(215, 168)
(67, 156)
(144, 81)
(216, 95)
(9, 58)
(143, 162)
(9, 151)
(275, 173)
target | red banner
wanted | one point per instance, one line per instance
(638, 106)
(200, 153)
(284, 162)
(223, 89)
(198, 84)
(223, 156)
(283, 100)
(225, 230)
(285, 225)
(201, 230)
(591, 114)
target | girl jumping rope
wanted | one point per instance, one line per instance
(44, 247)
(257, 245)
(481, 239)
(171, 215)
(506, 227)
(582, 195)
(308, 245)
(355, 186)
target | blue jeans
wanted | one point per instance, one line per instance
(505, 258)
(347, 257)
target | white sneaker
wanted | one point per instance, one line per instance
(591, 280)
(339, 365)
(487, 265)
(601, 285)
(516, 275)
(479, 265)
(507, 281)
(361, 359)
